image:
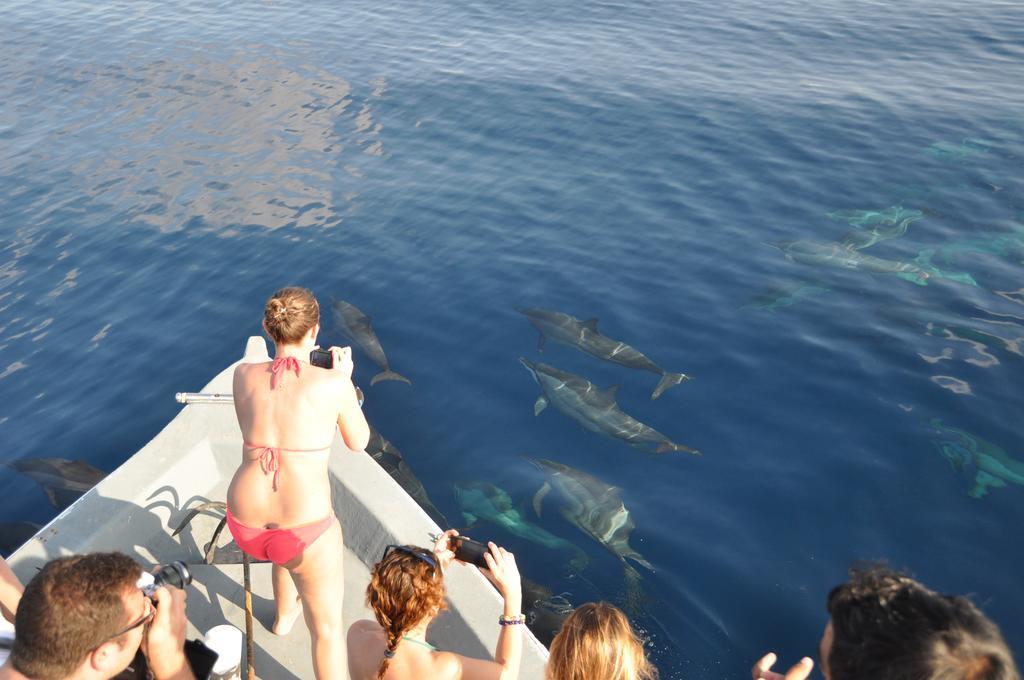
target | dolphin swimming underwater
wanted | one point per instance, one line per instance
(836, 255)
(593, 507)
(484, 501)
(544, 611)
(994, 466)
(63, 481)
(357, 327)
(391, 459)
(583, 335)
(593, 408)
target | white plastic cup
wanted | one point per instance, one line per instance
(226, 640)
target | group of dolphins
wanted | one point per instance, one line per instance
(588, 503)
(594, 507)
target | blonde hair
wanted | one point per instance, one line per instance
(596, 641)
(403, 590)
(290, 313)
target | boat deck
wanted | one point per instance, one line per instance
(217, 597)
(135, 509)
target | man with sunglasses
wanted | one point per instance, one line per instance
(84, 618)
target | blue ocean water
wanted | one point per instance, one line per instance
(165, 166)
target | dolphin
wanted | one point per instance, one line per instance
(544, 611)
(836, 255)
(593, 408)
(893, 215)
(583, 335)
(63, 481)
(482, 500)
(778, 297)
(874, 227)
(357, 327)
(390, 458)
(593, 507)
(994, 466)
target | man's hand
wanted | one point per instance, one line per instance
(762, 669)
(165, 642)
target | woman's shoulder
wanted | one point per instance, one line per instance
(447, 664)
(365, 628)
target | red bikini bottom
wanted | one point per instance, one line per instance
(280, 546)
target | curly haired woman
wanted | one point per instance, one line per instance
(406, 593)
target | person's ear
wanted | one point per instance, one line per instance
(103, 658)
(314, 331)
(265, 329)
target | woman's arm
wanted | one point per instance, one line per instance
(10, 591)
(351, 421)
(504, 574)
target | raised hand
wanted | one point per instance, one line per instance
(762, 669)
(342, 360)
(443, 548)
(165, 640)
(504, 574)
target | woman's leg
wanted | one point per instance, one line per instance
(317, 573)
(286, 598)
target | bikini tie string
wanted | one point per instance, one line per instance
(270, 461)
(280, 366)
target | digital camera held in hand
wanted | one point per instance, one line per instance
(469, 551)
(321, 358)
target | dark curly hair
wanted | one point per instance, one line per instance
(887, 626)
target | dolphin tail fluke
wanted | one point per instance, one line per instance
(667, 446)
(982, 482)
(389, 375)
(668, 380)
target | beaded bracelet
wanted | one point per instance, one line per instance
(511, 620)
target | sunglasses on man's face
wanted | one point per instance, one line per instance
(146, 618)
(421, 553)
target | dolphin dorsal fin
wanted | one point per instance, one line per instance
(610, 392)
(591, 323)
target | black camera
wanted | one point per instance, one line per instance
(175, 574)
(469, 551)
(322, 358)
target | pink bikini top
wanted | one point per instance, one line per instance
(270, 456)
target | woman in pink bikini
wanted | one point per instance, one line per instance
(279, 501)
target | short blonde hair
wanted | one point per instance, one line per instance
(596, 641)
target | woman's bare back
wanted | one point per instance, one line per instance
(297, 420)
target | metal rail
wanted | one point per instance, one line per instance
(218, 398)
